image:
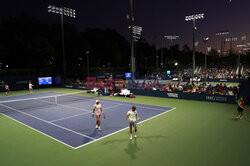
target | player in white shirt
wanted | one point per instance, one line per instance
(132, 116)
(97, 110)
(30, 87)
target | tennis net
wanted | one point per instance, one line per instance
(47, 101)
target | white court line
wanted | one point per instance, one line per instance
(48, 122)
(72, 107)
(123, 129)
(39, 131)
(94, 140)
(65, 105)
(82, 114)
(113, 106)
(68, 117)
(124, 103)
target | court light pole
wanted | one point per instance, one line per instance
(171, 38)
(87, 54)
(131, 17)
(157, 61)
(231, 40)
(221, 34)
(136, 37)
(162, 53)
(205, 40)
(63, 11)
(193, 18)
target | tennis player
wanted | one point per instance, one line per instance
(240, 108)
(132, 116)
(97, 110)
(7, 90)
(30, 87)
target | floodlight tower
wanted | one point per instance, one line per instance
(222, 33)
(132, 40)
(171, 38)
(193, 18)
(205, 40)
(136, 37)
(67, 12)
(231, 40)
(242, 45)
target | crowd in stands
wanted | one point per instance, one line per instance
(185, 82)
(218, 72)
(186, 87)
(225, 72)
(189, 87)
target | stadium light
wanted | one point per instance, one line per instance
(171, 37)
(63, 11)
(193, 18)
(136, 32)
(205, 40)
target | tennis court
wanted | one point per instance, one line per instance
(195, 133)
(67, 117)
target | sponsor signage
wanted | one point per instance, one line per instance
(173, 95)
(216, 98)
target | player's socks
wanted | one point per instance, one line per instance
(135, 136)
(131, 137)
(96, 126)
(99, 128)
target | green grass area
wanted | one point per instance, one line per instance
(194, 134)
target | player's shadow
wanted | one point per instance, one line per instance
(149, 138)
(132, 148)
(234, 119)
(245, 118)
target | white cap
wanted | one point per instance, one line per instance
(97, 101)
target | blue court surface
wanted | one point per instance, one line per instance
(70, 121)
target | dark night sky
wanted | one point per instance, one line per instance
(157, 17)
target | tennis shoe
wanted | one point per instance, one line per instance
(99, 128)
(131, 137)
(135, 136)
